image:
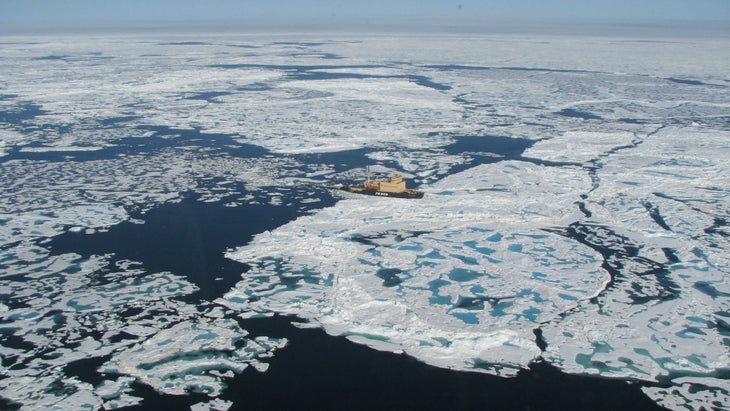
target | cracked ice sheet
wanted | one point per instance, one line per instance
(458, 279)
(578, 146)
(681, 175)
(682, 171)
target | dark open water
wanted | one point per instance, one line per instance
(317, 371)
(320, 372)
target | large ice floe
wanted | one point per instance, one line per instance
(460, 278)
(576, 207)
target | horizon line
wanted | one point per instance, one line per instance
(473, 25)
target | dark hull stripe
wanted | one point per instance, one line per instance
(386, 194)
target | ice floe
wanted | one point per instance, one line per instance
(214, 405)
(182, 358)
(460, 277)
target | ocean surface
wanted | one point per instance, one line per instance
(172, 233)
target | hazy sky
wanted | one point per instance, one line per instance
(97, 13)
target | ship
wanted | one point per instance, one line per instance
(393, 186)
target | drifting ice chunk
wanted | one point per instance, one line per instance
(180, 359)
(116, 393)
(8, 139)
(693, 393)
(214, 405)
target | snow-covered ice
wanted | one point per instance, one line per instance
(458, 278)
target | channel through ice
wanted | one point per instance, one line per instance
(601, 248)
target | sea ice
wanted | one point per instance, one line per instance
(609, 234)
(53, 221)
(661, 197)
(692, 393)
(213, 405)
(8, 139)
(431, 277)
(579, 147)
(365, 102)
(72, 310)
